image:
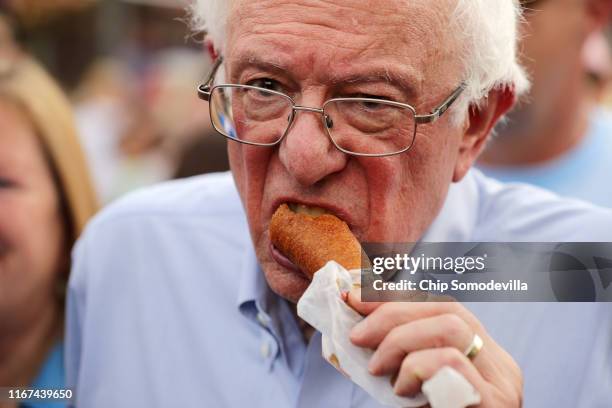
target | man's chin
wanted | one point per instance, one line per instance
(287, 283)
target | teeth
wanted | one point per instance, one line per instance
(306, 209)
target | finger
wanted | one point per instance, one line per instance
(421, 365)
(363, 308)
(371, 331)
(445, 330)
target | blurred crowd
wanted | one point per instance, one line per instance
(130, 70)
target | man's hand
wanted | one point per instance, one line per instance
(414, 340)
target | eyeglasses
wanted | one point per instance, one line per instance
(357, 126)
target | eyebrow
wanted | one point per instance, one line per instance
(405, 82)
(252, 60)
(400, 76)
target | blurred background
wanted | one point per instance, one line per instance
(130, 68)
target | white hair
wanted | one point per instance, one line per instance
(487, 30)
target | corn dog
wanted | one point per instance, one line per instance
(310, 241)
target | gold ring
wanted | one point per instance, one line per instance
(474, 348)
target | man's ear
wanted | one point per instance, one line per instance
(210, 47)
(478, 127)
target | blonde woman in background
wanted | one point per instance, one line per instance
(45, 200)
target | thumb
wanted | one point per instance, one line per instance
(363, 308)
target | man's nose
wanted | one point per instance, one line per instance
(307, 152)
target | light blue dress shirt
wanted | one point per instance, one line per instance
(583, 172)
(167, 306)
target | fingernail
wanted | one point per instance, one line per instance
(344, 296)
(396, 388)
(356, 294)
(373, 364)
(359, 329)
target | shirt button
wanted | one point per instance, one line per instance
(262, 319)
(265, 350)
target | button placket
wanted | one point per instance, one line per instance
(264, 320)
(268, 348)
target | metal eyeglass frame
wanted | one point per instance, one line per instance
(206, 89)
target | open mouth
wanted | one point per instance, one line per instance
(307, 209)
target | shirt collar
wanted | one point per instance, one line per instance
(253, 287)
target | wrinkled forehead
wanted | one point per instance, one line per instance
(334, 35)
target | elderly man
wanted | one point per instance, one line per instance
(374, 112)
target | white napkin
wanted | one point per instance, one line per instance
(323, 308)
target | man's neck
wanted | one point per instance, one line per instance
(24, 349)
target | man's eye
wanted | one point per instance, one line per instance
(372, 104)
(267, 83)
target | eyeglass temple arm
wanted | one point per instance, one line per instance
(204, 89)
(437, 112)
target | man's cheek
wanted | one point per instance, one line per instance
(237, 166)
(247, 163)
(249, 166)
(384, 181)
(384, 177)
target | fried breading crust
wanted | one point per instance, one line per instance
(311, 241)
